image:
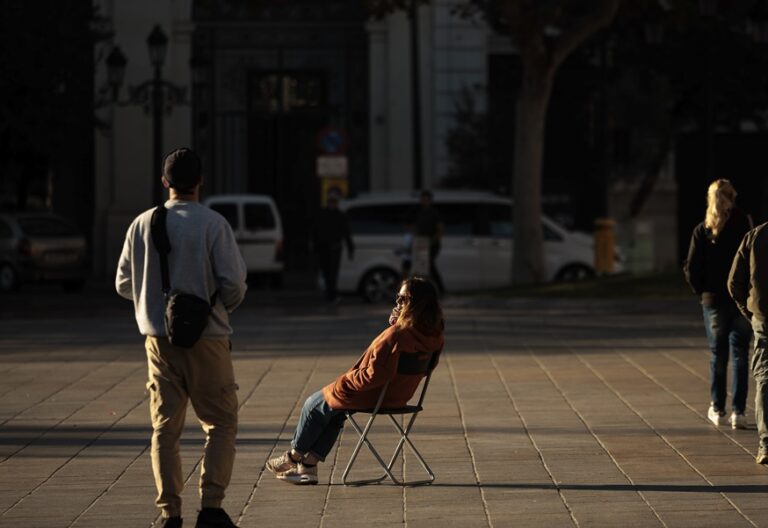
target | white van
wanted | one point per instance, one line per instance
(258, 229)
(476, 248)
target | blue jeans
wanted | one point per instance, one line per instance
(760, 372)
(318, 427)
(728, 333)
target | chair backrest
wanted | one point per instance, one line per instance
(416, 363)
(421, 363)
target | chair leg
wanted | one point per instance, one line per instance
(404, 439)
(364, 440)
(388, 466)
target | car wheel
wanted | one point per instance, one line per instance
(9, 279)
(575, 272)
(380, 285)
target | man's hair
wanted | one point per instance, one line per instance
(423, 307)
(426, 194)
(183, 170)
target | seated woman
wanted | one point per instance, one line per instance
(416, 326)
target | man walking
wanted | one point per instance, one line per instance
(331, 230)
(428, 224)
(204, 261)
(748, 285)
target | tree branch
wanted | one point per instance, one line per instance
(586, 27)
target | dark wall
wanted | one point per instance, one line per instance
(740, 158)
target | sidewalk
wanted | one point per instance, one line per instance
(541, 414)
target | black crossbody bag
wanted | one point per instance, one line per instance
(186, 315)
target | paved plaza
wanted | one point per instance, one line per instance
(542, 413)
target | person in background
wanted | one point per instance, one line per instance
(204, 259)
(428, 223)
(405, 252)
(748, 285)
(416, 327)
(330, 232)
(714, 243)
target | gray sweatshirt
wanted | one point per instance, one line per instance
(204, 258)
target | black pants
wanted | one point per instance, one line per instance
(434, 251)
(329, 260)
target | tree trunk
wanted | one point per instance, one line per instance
(532, 103)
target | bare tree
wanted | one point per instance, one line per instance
(545, 33)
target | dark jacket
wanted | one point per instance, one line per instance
(331, 229)
(709, 258)
(748, 280)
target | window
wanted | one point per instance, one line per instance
(379, 219)
(259, 217)
(550, 235)
(500, 221)
(44, 226)
(458, 219)
(228, 211)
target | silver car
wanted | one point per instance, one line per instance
(40, 246)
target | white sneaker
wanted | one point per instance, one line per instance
(738, 421)
(716, 417)
(300, 475)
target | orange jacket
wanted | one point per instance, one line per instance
(360, 386)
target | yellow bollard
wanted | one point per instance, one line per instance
(604, 245)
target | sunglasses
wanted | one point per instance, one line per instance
(400, 299)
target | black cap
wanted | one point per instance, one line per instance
(183, 170)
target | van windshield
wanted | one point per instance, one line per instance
(379, 219)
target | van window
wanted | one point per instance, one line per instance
(46, 227)
(458, 218)
(228, 211)
(379, 219)
(259, 217)
(551, 235)
(500, 221)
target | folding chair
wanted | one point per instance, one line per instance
(407, 364)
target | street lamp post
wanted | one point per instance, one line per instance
(158, 44)
(156, 95)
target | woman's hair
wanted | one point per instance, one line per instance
(720, 198)
(422, 309)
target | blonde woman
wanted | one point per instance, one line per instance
(416, 326)
(714, 243)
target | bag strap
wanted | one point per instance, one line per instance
(162, 244)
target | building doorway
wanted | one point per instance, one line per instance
(287, 110)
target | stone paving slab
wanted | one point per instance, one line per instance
(541, 413)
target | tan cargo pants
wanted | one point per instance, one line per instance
(204, 376)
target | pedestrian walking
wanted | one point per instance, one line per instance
(428, 224)
(748, 285)
(330, 232)
(714, 243)
(416, 326)
(203, 263)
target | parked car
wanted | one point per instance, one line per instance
(476, 248)
(41, 246)
(258, 229)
